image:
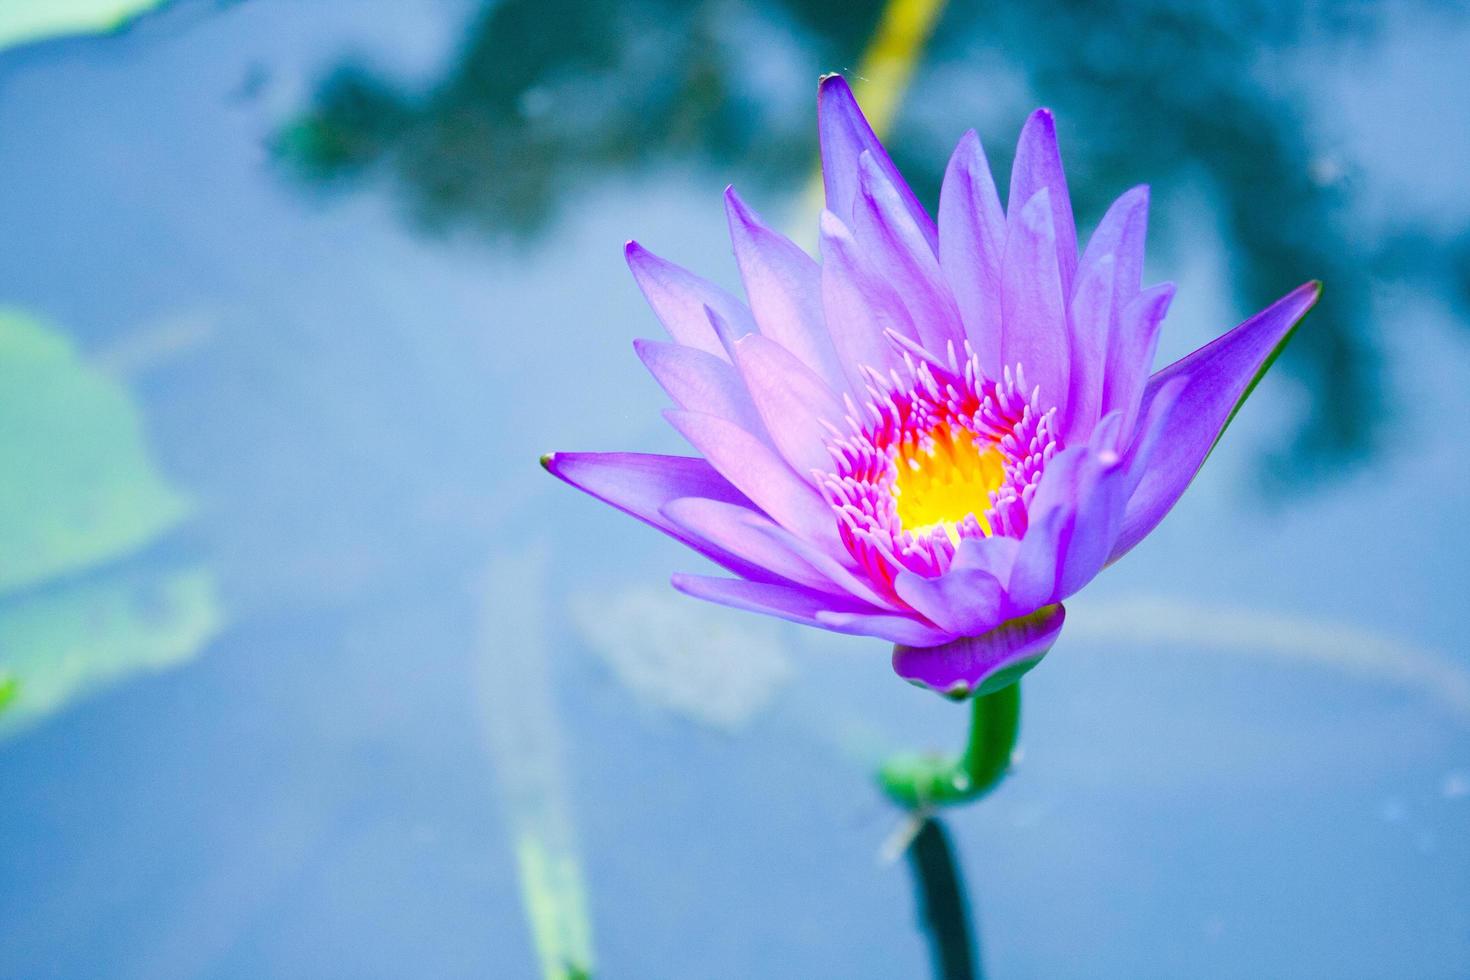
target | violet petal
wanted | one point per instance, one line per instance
(963, 601)
(892, 241)
(792, 400)
(701, 382)
(1034, 320)
(844, 134)
(784, 287)
(679, 297)
(640, 484)
(736, 531)
(1037, 167)
(1131, 351)
(1217, 379)
(861, 304)
(1091, 321)
(985, 663)
(792, 602)
(1121, 234)
(762, 475)
(894, 629)
(972, 236)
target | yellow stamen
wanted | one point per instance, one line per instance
(941, 485)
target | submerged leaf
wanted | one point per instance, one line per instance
(61, 645)
(524, 736)
(77, 487)
(714, 667)
(22, 22)
(80, 499)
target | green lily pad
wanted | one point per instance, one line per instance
(23, 21)
(79, 500)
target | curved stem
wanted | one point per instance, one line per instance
(922, 781)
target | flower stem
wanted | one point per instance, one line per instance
(919, 782)
(943, 907)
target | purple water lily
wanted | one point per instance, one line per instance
(939, 432)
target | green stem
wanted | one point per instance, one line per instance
(919, 782)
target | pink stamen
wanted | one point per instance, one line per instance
(905, 409)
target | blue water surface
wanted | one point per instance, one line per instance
(359, 265)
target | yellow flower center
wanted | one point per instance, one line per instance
(940, 484)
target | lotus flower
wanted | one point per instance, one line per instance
(939, 432)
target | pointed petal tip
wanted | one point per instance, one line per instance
(1311, 290)
(1206, 389)
(968, 151)
(638, 258)
(832, 81)
(871, 177)
(1036, 212)
(1137, 195)
(1042, 117)
(558, 464)
(736, 210)
(682, 583)
(835, 96)
(830, 223)
(1302, 298)
(721, 327)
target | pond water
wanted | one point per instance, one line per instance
(313, 672)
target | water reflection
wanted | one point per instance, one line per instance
(1173, 93)
(546, 97)
(944, 911)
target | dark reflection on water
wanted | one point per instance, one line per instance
(944, 910)
(1171, 93)
(546, 96)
